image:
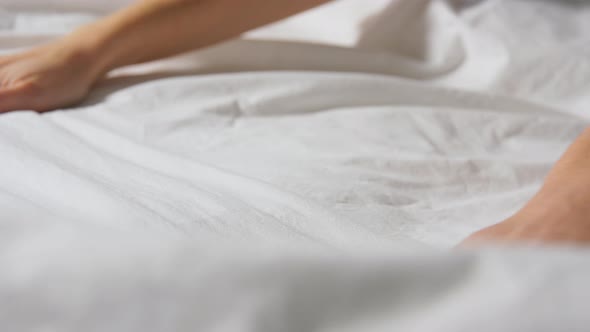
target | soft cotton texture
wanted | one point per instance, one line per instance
(300, 178)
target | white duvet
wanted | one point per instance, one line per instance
(283, 182)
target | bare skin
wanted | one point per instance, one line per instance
(62, 73)
(558, 214)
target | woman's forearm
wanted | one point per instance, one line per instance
(154, 29)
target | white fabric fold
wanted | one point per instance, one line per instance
(299, 178)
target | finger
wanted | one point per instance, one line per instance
(483, 237)
(14, 98)
(6, 59)
(469, 242)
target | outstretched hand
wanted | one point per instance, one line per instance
(560, 212)
(61, 74)
(43, 79)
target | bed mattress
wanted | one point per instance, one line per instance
(282, 182)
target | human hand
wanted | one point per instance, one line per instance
(45, 78)
(558, 214)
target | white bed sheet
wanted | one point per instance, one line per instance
(368, 138)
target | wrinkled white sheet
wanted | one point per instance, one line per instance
(398, 128)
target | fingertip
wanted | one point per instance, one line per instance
(12, 98)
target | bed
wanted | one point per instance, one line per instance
(305, 177)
